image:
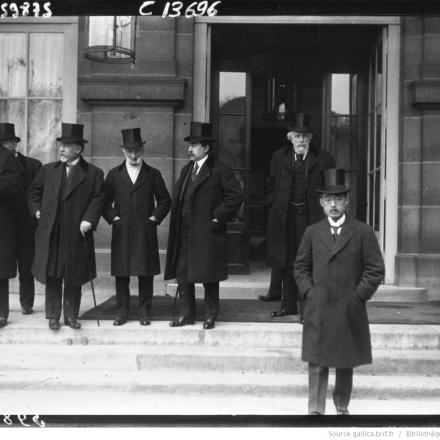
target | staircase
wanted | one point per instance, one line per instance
(236, 368)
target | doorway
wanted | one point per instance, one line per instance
(317, 67)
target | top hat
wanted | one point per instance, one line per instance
(300, 124)
(333, 181)
(200, 132)
(131, 138)
(71, 133)
(7, 132)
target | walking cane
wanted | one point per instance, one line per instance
(90, 276)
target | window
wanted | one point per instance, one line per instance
(37, 84)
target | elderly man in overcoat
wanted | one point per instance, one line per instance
(11, 185)
(338, 269)
(137, 200)
(25, 225)
(205, 197)
(67, 198)
(295, 173)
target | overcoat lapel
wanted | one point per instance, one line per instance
(344, 237)
(76, 177)
(124, 175)
(140, 178)
(57, 177)
(288, 159)
(326, 235)
(204, 173)
(184, 182)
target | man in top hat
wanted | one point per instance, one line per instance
(205, 197)
(67, 198)
(295, 173)
(25, 225)
(137, 200)
(11, 186)
(338, 268)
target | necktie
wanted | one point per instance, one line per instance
(194, 171)
(68, 168)
(335, 232)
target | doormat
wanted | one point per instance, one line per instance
(252, 310)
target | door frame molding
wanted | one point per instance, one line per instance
(202, 87)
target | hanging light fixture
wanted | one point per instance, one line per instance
(279, 99)
(111, 39)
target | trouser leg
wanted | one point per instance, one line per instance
(27, 287)
(145, 296)
(290, 291)
(53, 298)
(211, 300)
(343, 387)
(318, 383)
(4, 298)
(122, 297)
(187, 300)
(72, 301)
(276, 282)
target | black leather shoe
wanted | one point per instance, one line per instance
(145, 321)
(316, 413)
(3, 322)
(283, 312)
(54, 324)
(269, 297)
(119, 321)
(27, 311)
(209, 324)
(342, 411)
(181, 321)
(72, 323)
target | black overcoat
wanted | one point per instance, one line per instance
(26, 225)
(134, 237)
(337, 278)
(11, 184)
(215, 194)
(278, 187)
(83, 200)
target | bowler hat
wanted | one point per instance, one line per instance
(200, 132)
(71, 133)
(7, 132)
(300, 123)
(131, 138)
(333, 181)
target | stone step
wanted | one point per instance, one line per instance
(201, 359)
(210, 384)
(241, 288)
(33, 329)
(21, 401)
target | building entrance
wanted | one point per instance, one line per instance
(261, 74)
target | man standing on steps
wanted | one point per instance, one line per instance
(206, 196)
(25, 225)
(295, 173)
(137, 200)
(338, 268)
(11, 184)
(66, 198)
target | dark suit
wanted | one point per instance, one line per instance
(134, 237)
(11, 183)
(60, 250)
(336, 278)
(26, 233)
(293, 205)
(197, 248)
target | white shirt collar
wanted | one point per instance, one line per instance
(130, 166)
(337, 224)
(73, 163)
(304, 155)
(200, 163)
